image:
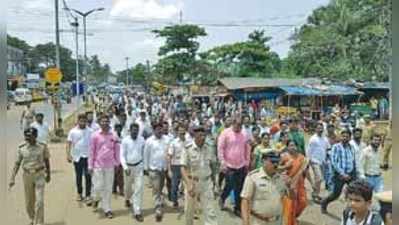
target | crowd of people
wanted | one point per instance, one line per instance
(205, 151)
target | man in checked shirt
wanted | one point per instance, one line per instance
(345, 169)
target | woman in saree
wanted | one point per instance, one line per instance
(282, 142)
(259, 150)
(294, 167)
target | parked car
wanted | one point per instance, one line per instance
(22, 96)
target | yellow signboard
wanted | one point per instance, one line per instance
(53, 75)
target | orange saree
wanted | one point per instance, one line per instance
(295, 202)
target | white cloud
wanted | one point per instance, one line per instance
(44, 5)
(154, 43)
(145, 9)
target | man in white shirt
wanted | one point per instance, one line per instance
(144, 125)
(370, 164)
(124, 124)
(358, 146)
(174, 162)
(247, 127)
(169, 138)
(90, 121)
(132, 160)
(131, 118)
(357, 143)
(155, 162)
(77, 151)
(42, 128)
(317, 150)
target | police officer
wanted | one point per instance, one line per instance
(196, 170)
(34, 158)
(262, 193)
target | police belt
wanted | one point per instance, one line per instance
(134, 164)
(34, 170)
(195, 178)
(265, 218)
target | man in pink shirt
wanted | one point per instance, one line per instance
(103, 157)
(234, 155)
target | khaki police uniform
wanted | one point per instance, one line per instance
(265, 195)
(215, 165)
(198, 162)
(32, 159)
(387, 145)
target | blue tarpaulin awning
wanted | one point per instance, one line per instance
(331, 90)
(300, 90)
(257, 95)
(376, 85)
(337, 90)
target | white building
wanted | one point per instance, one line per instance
(15, 59)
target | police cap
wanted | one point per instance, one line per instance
(31, 131)
(273, 156)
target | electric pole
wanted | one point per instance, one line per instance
(147, 78)
(57, 120)
(57, 36)
(127, 71)
(76, 25)
(181, 17)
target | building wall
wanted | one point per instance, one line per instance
(15, 58)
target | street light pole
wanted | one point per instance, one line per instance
(76, 25)
(127, 71)
(84, 15)
(84, 42)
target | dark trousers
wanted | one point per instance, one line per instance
(176, 178)
(234, 180)
(168, 186)
(81, 169)
(337, 189)
(118, 181)
(220, 179)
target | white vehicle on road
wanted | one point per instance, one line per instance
(22, 96)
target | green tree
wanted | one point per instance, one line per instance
(18, 43)
(345, 39)
(137, 74)
(97, 71)
(178, 53)
(251, 58)
(42, 57)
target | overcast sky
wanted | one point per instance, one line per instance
(123, 29)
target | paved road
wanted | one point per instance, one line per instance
(62, 209)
